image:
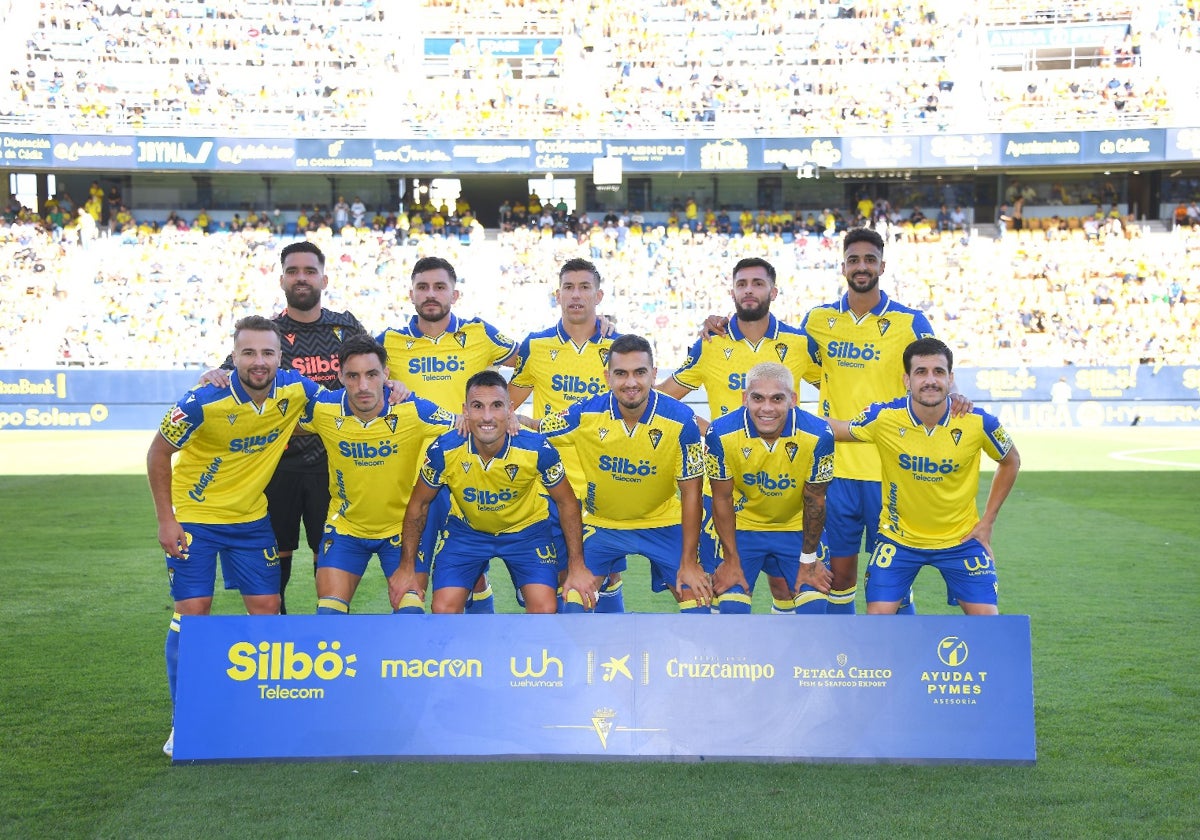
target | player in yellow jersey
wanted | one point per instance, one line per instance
(498, 480)
(930, 461)
(211, 502)
(643, 464)
(434, 355)
(769, 464)
(374, 451)
(563, 365)
(718, 364)
(858, 341)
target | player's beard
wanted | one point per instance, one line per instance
(302, 297)
(754, 313)
(860, 285)
(425, 313)
(930, 398)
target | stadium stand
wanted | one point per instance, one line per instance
(691, 67)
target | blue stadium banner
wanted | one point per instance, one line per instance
(1183, 144)
(256, 155)
(1120, 147)
(1048, 149)
(25, 150)
(77, 398)
(1079, 35)
(650, 687)
(500, 47)
(891, 152)
(175, 153)
(98, 151)
(940, 150)
(342, 155)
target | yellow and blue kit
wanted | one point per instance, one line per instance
(861, 362)
(561, 372)
(437, 369)
(719, 364)
(230, 446)
(373, 464)
(631, 475)
(930, 476)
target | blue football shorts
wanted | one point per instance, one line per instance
(968, 569)
(852, 511)
(605, 550)
(529, 554)
(777, 553)
(249, 560)
(353, 554)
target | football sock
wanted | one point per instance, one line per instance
(781, 607)
(573, 603)
(328, 605)
(410, 604)
(481, 603)
(811, 602)
(171, 653)
(688, 606)
(733, 601)
(841, 601)
(285, 574)
(612, 597)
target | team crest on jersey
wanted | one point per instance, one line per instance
(728, 352)
(746, 451)
(511, 471)
(781, 350)
(884, 325)
(791, 448)
(328, 544)
(338, 421)
(901, 430)
(603, 433)
(391, 421)
(337, 333)
(604, 356)
(283, 406)
(232, 418)
(831, 322)
(554, 355)
(655, 437)
(291, 337)
(461, 338)
(957, 435)
(408, 345)
(466, 465)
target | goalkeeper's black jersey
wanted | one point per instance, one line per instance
(309, 349)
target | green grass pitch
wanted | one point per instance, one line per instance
(1097, 544)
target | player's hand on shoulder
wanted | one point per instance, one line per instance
(960, 405)
(218, 377)
(714, 325)
(398, 392)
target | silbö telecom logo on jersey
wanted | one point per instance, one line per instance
(277, 665)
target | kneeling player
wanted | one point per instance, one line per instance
(779, 460)
(374, 450)
(497, 479)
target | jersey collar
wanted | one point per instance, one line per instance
(452, 326)
(508, 439)
(735, 328)
(789, 425)
(240, 394)
(566, 339)
(878, 309)
(614, 409)
(384, 409)
(916, 421)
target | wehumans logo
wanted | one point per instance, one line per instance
(281, 662)
(953, 687)
(531, 676)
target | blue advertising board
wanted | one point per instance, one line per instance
(430, 156)
(650, 687)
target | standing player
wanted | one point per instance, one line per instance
(643, 462)
(719, 364)
(299, 489)
(211, 502)
(859, 342)
(374, 451)
(931, 473)
(434, 356)
(769, 464)
(565, 364)
(497, 479)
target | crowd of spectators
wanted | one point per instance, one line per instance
(745, 67)
(170, 299)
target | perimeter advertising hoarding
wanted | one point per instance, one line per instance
(637, 686)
